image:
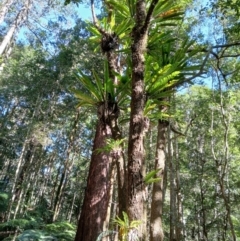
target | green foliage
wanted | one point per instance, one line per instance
(125, 226)
(21, 224)
(166, 13)
(150, 176)
(72, 1)
(106, 234)
(36, 235)
(111, 146)
(93, 94)
(4, 199)
(98, 90)
(64, 231)
(33, 230)
(236, 224)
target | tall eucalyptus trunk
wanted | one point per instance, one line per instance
(94, 214)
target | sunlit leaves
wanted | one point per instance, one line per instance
(150, 176)
(112, 146)
(96, 90)
(166, 10)
(126, 226)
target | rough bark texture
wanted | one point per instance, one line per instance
(117, 135)
(97, 193)
(121, 171)
(136, 190)
(156, 228)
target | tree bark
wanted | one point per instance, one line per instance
(180, 225)
(138, 123)
(136, 189)
(97, 193)
(156, 228)
(172, 175)
(20, 18)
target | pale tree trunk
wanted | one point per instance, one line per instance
(27, 193)
(225, 167)
(156, 227)
(19, 20)
(55, 188)
(202, 213)
(180, 223)
(23, 179)
(67, 168)
(222, 163)
(43, 187)
(4, 9)
(23, 156)
(20, 161)
(69, 215)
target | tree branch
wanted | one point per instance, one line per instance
(95, 20)
(149, 15)
(226, 45)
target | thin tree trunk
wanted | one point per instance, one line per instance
(110, 203)
(180, 224)
(67, 168)
(225, 193)
(53, 198)
(17, 172)
(25, 170)
(121, 170)
(4, 9)
(69, 216)
(156, 228)
(20, 18)
(222, 165)
(173, 209)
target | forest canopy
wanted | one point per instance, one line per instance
(119, 120)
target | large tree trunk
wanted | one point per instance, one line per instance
(97, 193)
(156, 228)
(136, 189)
(138, 123)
